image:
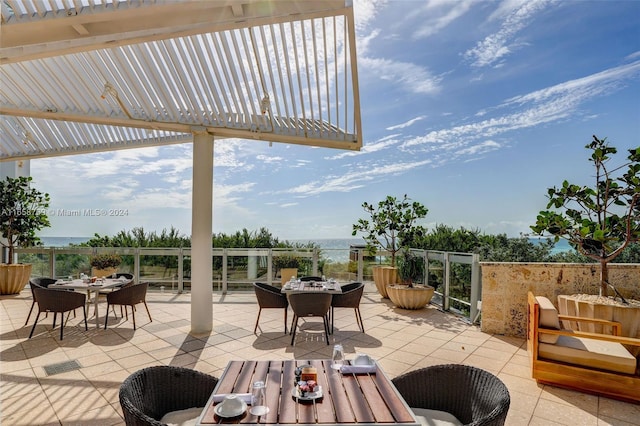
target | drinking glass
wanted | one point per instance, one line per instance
(258, 407)
(338, 357)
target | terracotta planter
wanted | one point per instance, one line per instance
(384, 276)
(14, 277)
(591, 306)
(103, 272)
(410, 298)
(287, 273)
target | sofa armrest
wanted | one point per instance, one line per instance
(616, 326)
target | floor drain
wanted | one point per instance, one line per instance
(62, 367)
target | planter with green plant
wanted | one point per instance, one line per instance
(104, 265)
(390, 226)
(410, 293)
(599, 222)
(287, 266)
(22, 214)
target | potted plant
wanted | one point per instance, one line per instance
(22, 214)
(599, 221)
(391, 225)
(104, 265)
(408, 294)
(287, 266)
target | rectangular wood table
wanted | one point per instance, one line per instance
(349, 399)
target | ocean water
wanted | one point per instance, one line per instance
(334, 249)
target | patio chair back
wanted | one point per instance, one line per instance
(148, 394)
(311, 304)
(474, 396)
(269, 296)
(310, 278)
(50, 300)
(33, 283)
(349, 298)
(128, 296)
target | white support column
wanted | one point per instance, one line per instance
(201, 232)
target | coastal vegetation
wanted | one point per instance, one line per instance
(599, 221)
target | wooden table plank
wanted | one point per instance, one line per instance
(374, 399)
(287, 404)
(356, 398)
(339, 398)
(274, 387)
(390, 395)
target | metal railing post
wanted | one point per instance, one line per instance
(270, 267)
(224, 271)
(180, 270)
(445, 297)
(52, 262)
(476, 288)
(360, 258)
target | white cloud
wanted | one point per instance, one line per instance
(542, 106)
(355, 178)
(407, 123)
(495, 47)
(368, 148)
(413, 78)
(438, 14)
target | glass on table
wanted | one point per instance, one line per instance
(338, 357)
(258, 400)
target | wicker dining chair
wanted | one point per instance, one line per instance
(149, 394)
(42, 282)
(310, 278)
(52, 300)
(311, 304)
(270, 297)
(349, 298)
(128, 296)
(474, 396)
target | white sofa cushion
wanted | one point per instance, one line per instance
(187, 417)
(428, 417)
(548, 319)
(592, 353)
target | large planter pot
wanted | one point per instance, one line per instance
(287, 273)
(593, 306)
(410, 297)
(384, 276)
(14, 277)
(107, 272)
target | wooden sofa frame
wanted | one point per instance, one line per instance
(585, 379)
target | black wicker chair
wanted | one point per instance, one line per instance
(51, 300)
(310, 305)
(42, 282)
(474, 396)
(129, 295)
(148, 394)
(310, 278)
(270, 297)
(349, 298)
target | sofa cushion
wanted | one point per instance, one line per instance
(548, 319)
(592, 353)
(427, 417)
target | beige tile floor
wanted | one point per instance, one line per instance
(400, 340)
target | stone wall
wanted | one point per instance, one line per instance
(505, 287)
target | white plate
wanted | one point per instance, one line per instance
(240, 411)
(310, 395)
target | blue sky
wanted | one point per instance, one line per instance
(473, 108)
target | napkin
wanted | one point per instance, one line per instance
(246, 397)
(358, 369)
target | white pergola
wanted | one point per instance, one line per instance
(83, 76)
